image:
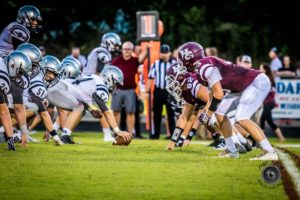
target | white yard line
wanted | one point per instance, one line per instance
(289, 145)
(201, 142)
(291, 168)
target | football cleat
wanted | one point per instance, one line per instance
(66, 139)
(11, 144)
(2, 137)
(108, 138)
(216, 142)
(228, 154)
(266, 156)
(221, 146)
(240, 148)
(247, 146)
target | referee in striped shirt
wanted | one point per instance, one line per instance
(157, 74)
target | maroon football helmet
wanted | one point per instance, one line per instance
(174, 81)
(189, 55)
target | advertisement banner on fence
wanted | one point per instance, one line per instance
(288, 99)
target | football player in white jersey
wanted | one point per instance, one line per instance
(42, 79)
(87, 91)
(18, 95)
(102, 55)
(97, 59)
(12, 68)
(18, 32)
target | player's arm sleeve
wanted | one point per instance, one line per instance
(212, 75)
(39, 102)
(19, 35)
(23, 81)
(101, 104)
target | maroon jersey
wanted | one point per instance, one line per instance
(234, 78)
(189, 93)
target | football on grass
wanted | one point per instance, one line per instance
(120, 141)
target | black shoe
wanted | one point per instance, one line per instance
(216, 142)
(67, 139)
(251, 141)
(11, 144)
(167, 138)
(139, 137)
(247, 146)
(240, 148)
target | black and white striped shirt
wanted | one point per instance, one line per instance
(158, 72)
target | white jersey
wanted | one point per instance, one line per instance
(37, 87)
(84, 88)
(4, 78)
(96, 59)
(13, 30)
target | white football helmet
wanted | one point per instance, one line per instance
(17, 64)
(112, 77)
(111, 41)
(27, 13)
(34, 53)
(52, 64)
(70, 67)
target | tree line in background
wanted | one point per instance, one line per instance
(234, 26)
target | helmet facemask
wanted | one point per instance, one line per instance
(174, 87)
(181, 67)
(112, 78)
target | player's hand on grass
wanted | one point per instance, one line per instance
(46, 136)
(24, 140)
(171, 145)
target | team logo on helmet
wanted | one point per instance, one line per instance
(186, 54)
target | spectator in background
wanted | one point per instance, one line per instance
(75, 53)
(298, 69)
(246, 61)
(157, 74)
(238, 60)
(43, 50)
(175, 53)
(211, 51)
(269, 104)
(287, 70)
(126, 96)
(276, 63)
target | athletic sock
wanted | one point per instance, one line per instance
(235, 139)
(241, 138)
(191, 134)
(106, 131)
(266, 146)
(230, 144)
(66, 132)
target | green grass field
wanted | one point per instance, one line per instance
(143, 170)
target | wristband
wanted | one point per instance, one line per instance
(191, 134)
(116, 130)
(176, 134)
